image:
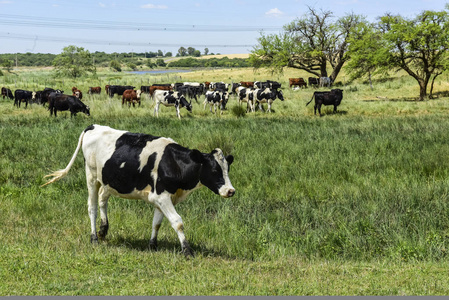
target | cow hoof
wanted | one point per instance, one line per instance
(153, 245)
(188, 252)
(94, 239)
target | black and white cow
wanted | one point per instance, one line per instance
(333, 97)
(170, 98)
(216, 99)
(246, 95)
(22, 95)
(151, 168)
(62, 102)
(268, 96)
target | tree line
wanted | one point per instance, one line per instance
(317, 43)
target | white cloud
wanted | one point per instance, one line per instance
(101, 4)
(154, 6)
(5, 2)
(274, 12)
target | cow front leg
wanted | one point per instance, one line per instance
(157, 221)
(164, 203)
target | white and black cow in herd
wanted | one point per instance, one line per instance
(151, 168)
(268, 96)
(216, 99)
(333, 97)
(246, 95)
(170, 98)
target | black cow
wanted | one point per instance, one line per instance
(333, 97)
(314, 81)
(46, 93)
(119, 89)
(141, 166)
(64, 102)
(267, 84)
(7, 93)
(145, 89)
(268, 96)
(22, 95)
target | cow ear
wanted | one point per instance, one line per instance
(197, 156)
(229, 159)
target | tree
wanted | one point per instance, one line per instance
(182, 51)
(190, 51)
(206, 50)
(74, 62)
(168, 54)
(7, 64)
(160, 53)
(366, 51)
(418, 46)
(310, 43)
(196, 53)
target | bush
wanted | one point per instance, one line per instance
(115, 65)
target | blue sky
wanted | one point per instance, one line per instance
(226, 27)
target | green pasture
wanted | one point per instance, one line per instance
(352, 203)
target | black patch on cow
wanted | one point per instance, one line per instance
(121, 171)
(177, 170)
(91, 127)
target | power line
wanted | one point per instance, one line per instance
(18, 20)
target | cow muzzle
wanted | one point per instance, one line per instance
(226, 193)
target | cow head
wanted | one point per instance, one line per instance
(86, 110)
(280, 95)
(185, 103)
(215, 171)
(138, 93)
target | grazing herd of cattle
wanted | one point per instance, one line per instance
(216, 95)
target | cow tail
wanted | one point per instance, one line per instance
(62, 173)
(311, 99)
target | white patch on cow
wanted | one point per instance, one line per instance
(122, 165)
(154, 146)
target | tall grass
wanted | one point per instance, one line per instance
(349, 203)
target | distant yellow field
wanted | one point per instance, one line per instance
(244, 55)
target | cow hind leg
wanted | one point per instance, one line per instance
(92, 204)
(103, 201)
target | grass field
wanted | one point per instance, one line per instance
(352, 203)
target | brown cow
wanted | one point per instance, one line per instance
(131, 96)
(94, 90)
(159, 87)
(106, 88)
(247, 84)
(77, 93)
(297, 82)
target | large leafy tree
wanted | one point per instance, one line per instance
(74, 62)
(312, 43)
(367, 51)
(418, 46)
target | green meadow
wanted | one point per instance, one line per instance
(351, 203)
